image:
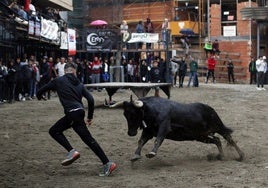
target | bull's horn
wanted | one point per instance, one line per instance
(138, 103)
(118, 104)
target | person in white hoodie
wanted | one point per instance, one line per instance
(261, 66)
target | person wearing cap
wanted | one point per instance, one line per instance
(261, 66)
(70, 92)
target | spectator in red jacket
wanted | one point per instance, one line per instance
(211, 68)
(96, 71)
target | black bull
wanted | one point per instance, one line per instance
(166, 119)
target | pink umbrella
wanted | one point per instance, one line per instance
(98, 23)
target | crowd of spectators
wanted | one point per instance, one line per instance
(21, 78)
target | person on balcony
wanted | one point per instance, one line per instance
(19, 10)
(149, 28)
(164, 31)
(139, 29)
(124, 33)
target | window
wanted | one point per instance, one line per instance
(228, 18)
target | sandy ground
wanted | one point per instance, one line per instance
(31, 158)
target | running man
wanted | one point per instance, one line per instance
(70, 91)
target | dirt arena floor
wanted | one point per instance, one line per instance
(31, 158)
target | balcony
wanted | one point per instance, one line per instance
(256, 13)
(66, 5)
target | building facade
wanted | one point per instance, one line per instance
(32, 34)
(240, 26)
(240, 35)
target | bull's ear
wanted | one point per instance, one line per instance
(125, 103)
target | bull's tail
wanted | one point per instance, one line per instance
(225, 130)
(221, 128)
(226, 133)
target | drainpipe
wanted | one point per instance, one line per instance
(258, 39)
(208, 18)
(250, 32)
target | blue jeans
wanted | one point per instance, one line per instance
(95, 79)
(193, 75)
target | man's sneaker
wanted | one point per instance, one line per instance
(71, 157)
(263, 89)
(258, 88)
(107, 169)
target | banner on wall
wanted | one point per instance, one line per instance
(49, 29)
(101, 40)
(63, 40)
(31, 27)
(34, 28)
(144, 37)
(37, 29)
(71, 42)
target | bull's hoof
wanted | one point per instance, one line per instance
(135, 158)
(213, 157)
(151, 154)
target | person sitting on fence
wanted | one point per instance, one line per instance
(208, 48)
(215, 48)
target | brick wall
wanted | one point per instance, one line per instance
(134, 12)
(215, 20)
(239, 49)
(156, 11)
